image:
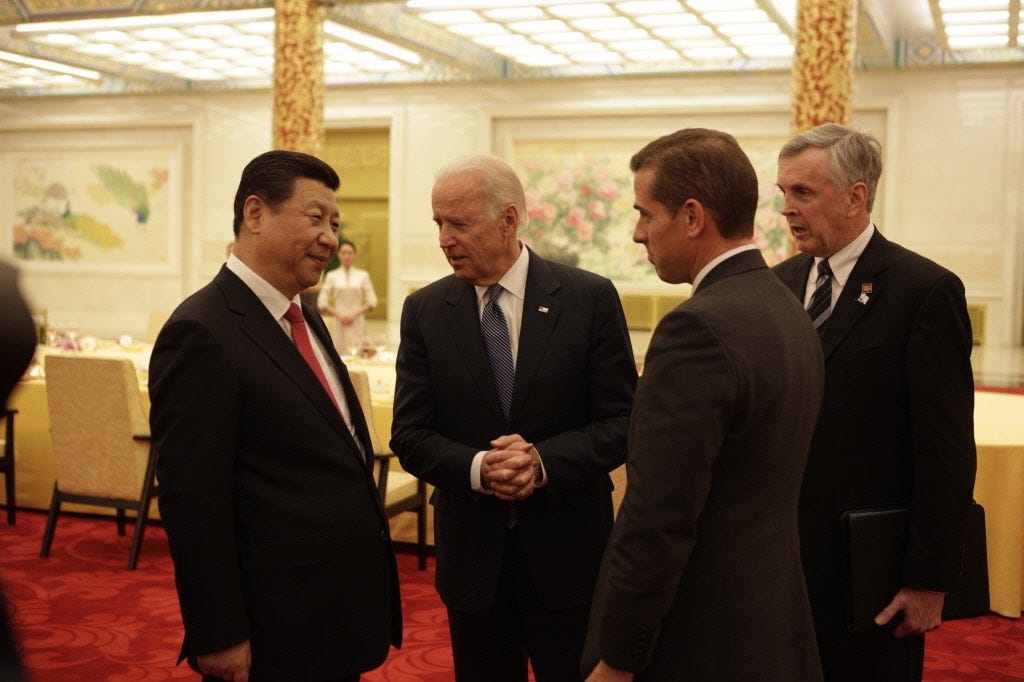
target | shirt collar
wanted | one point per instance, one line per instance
(842, 261)
(514, 279)
(274, 300)
(710, 265)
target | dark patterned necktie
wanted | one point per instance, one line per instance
(820, 306)
(499, 348)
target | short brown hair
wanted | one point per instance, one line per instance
(708, 166)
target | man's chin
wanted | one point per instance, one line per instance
(461, 272)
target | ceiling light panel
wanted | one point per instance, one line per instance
(980, 25)
(235, 46)
(18, 71)
(637, 32)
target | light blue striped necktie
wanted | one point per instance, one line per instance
(499, 348)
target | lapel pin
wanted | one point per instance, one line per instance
(865, 289)
(542, 309)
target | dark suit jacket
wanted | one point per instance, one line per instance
(274, 522)
(702, 577)
(896, 423)
(17, 345)
(573, 389)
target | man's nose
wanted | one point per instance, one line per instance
(444, 237)
(329, 236)
(639, 236)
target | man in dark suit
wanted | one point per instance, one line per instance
(282, 556)
(896, 425)
(17, 345)
(702, 579)
(518, 431)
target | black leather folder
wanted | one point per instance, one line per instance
(874, 548)
(875, 542)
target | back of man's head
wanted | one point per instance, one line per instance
(708, 166)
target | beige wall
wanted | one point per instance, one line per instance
(954, 166)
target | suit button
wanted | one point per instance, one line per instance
(383, 536)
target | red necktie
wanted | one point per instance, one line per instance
(301, 338)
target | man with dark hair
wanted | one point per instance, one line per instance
(701, 579)
(896, 426)
(282, 556)
(515, 377)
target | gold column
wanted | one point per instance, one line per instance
(299, 76)
(823, 62)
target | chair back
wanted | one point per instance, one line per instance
(95, 412)
(361, 384)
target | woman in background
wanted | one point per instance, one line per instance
(345, 297)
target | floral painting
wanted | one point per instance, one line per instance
(579, 201)
(90, 207)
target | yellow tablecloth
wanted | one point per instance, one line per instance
(999, 488)
(34, 469)
(999, 432)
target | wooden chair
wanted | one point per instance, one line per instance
(7, 462)
(399, 491)
(101, 441)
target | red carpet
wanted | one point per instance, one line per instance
(81, 617)
(1001, 389)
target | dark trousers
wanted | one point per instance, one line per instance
(878, 657)
(494, 647)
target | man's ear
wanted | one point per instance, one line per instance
(510, 219)
(252, 213)
(858, 197)
(693, 217)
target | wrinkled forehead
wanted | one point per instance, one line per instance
(460, 193)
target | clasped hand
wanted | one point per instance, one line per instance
(511, 469)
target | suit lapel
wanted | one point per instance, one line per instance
(744, 261)
(316, 322)
(851, 304)
(463, 320)
(797, 276)
(267, 335)
(540, 315)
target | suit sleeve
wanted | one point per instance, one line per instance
(577, 456)
(941, 393)
(194, 420)
(684, 403)
(415, 435)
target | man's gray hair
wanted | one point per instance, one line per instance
(854, 156)
(500, 183)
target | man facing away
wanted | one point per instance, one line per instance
(282, 556)
(515, 377)
(896, 425)
(701, 579)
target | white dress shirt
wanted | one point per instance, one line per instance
(278, 305)
(510, 300)
(841, 262)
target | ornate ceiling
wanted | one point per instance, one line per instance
(109, 46)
